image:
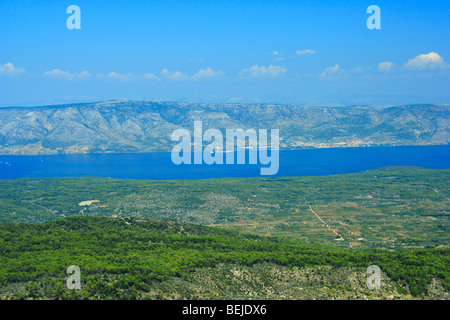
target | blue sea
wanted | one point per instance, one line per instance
(158, 166)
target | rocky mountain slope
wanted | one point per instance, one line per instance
(133, 126)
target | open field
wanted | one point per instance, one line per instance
(393, 208)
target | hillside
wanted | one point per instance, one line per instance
(390, 208)
(132, 126)
(147, 259)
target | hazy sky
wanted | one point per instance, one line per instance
(302, 52)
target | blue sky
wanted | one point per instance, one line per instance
(301, 52)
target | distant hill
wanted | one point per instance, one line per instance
(399, 208)
(134, 126)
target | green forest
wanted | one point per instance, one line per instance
(121, 258)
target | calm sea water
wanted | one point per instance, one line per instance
(306, 162)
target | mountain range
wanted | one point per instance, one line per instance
(139, 126)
